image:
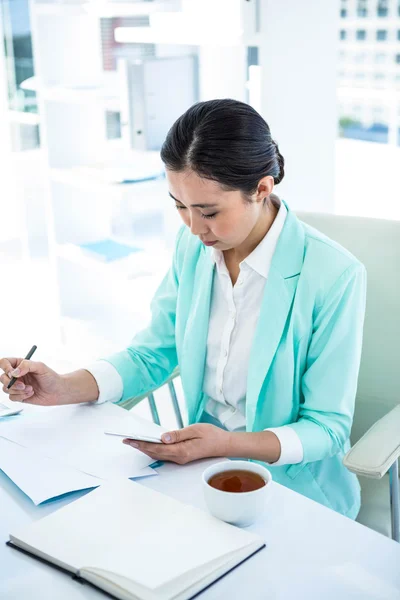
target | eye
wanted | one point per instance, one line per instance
(202, 216)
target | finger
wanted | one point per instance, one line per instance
(160, 451)
(143, 446)
(4, 379)
(28, 366)
(180, 435)
(17, 387)
(22, 396)
(8, 364)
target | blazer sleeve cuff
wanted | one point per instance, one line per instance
(291, 446)
(108, 380)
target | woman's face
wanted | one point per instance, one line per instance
(211, 213)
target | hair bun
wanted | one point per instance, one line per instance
(281, 163)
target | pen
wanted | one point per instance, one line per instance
(27, 357)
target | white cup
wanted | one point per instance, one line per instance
(238, 508)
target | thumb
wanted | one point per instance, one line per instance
(180, 435)
(28, 366)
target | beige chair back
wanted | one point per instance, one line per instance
(376, 243)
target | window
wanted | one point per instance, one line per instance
(359, 57)
(382, 9)
(381, 35)
(343, 13)
(397, 59)
(380, 58)
(379, 76)
(398, 34)
(343, 34)
(378, 113)
(19, 67)
(361, 34)
(362, 8)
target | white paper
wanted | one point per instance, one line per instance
(74, 435)
(42, 478)
(7, 411)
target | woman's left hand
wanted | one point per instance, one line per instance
(184, 445)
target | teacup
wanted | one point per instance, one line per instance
(238, 508)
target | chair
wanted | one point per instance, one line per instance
(375, 434)
(376, 429)
(128, 404)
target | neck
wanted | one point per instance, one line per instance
(259, 231)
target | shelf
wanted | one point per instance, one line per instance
(103, 9)
(192, 27)
(144, 264)
(106, 92)
(90, 180)
(189, 37)
(23, 118)
(120, 166)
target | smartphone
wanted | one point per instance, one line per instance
(138, 437)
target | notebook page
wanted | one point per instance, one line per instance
(181, 588)
(126, 528)
(196, 586)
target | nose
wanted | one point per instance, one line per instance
(197, 225)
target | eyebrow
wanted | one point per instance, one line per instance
(194, 205)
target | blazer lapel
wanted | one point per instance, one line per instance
(195, 339)
(277, 300)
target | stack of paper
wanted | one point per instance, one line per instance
(49, 451)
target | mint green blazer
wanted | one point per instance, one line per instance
(304, 360)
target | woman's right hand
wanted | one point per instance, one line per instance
(36, 383)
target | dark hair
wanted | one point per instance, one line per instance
(226, 141)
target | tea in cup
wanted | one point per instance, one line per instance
(237, 491)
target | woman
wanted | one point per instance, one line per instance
(262, 313)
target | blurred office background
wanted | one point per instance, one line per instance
(88, 89)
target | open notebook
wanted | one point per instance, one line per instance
(137, 544)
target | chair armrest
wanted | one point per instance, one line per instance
(378, 449)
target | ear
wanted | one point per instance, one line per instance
(264, 188)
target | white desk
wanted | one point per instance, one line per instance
(307, 545)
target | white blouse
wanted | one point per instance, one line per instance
(234, 314)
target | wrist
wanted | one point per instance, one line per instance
(80, 386)
(229, 449)
(260, 445)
